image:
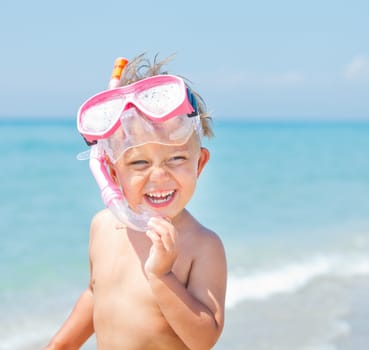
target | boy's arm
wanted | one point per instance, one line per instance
(79, 325)
(196, 311)
(77, 328)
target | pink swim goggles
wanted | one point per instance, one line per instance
(157, 99)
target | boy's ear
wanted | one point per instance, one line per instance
(112, 172)
(203, 159)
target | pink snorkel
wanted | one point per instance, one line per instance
(111, 194)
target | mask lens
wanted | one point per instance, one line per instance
(159, 100)
(99, 118)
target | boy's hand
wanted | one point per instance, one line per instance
(164, 250)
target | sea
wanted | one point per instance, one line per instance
(289, 199)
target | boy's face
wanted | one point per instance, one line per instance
(161, 177)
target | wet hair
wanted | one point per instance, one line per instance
(142, 67)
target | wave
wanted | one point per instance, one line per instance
(292, 277)
(31, 339)
(36, 337)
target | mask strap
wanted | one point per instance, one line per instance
(193, 101)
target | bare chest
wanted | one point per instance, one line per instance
(124, 307)
(118, 261)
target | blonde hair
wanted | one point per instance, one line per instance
(141, 67)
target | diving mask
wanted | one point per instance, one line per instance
(158, 98)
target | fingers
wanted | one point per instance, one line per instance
(164, 250)
(163, 230)
(153, 236)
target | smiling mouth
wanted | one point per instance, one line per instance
(159, 198)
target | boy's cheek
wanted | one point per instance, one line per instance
(132, 189)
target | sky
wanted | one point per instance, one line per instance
(285, 59)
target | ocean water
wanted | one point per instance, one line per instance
(289, 200)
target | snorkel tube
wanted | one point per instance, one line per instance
(111, 194)
(119, 65)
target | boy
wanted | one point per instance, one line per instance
(165, 288)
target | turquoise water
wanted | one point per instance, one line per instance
(290, 201)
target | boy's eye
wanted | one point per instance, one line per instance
(176, 160)
(139, 164)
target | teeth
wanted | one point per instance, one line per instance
(160, 194)
(160, 197)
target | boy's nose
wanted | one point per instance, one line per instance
(158, 173)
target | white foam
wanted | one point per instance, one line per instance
(35, 338)
(292, 277)
(27, 340)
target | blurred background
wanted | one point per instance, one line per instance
(287, 187)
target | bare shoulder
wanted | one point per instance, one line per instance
(101, 217)
(101, 221)
(102, 225)
(203, 240)
(205, 246)
(209, 245)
